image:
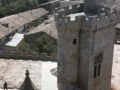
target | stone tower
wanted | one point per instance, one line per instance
(85, 45)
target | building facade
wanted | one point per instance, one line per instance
(85, 45)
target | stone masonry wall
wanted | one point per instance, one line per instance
(28, 56)
(67, 58)
(68, 3)
(97, 37)
(103, 42)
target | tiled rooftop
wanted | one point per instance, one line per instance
(48, 27)
(16, 21)
(13, 21)
(3, 31)
(33, 14)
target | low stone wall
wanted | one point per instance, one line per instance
(28, 56)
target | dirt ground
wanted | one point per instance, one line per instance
(116, 68)
(13, 71)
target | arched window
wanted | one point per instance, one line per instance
(97, 65)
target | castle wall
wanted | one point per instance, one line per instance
(97, 37)
(103, 41)
(67, 58)
(91, 6)
(86, 39)
(68, 3)
(68, 50)
(27, 56)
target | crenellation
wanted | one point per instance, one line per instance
(117, 12)
(61, 12)
(66, 9)
(66, 22)
(110, 14)
(102, 16)
(102, 19)
(61, 16)
(76, 8)
(102, 9)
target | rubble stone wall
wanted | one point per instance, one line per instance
(28, 56)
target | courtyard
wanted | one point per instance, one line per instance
(13, 71)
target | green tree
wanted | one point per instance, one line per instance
(7, 1)
(16, 6)
(3, 2)
(46, 44)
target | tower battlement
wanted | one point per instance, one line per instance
(65, 20)
(102, 19)
(76, 8)
(69, 18)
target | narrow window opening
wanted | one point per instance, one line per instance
(95, 71)
(74, 41)
(99, 67)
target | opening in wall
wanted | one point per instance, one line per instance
(74, 41)
(95, 70)
(97, 65)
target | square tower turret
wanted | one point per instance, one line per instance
(85, 46)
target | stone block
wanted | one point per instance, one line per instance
(44, 56)
(53, 56)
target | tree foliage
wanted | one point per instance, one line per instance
(8, 7)
(44, 44)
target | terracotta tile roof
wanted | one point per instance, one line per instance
(48, 27)
(3, 31)
(33, 14)
(13, 21)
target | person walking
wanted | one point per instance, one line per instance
(5, 86)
